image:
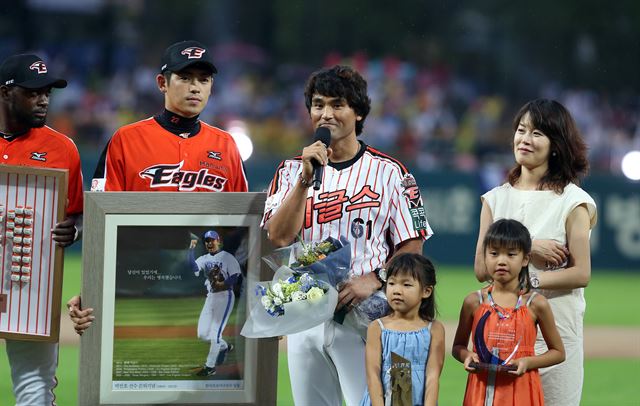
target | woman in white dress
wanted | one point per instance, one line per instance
(542, 194)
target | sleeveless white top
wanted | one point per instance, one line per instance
(543, 212)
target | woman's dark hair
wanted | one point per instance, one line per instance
(510, 234)
(343, 82)
(421, 269)
(567, 153)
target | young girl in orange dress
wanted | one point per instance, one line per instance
(502, 319)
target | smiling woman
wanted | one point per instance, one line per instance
(531, 146)
(550, 157)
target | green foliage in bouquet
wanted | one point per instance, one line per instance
(314, 252)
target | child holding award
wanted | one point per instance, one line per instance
(503, 318)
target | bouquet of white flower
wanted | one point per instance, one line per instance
(276, 295)
(288, 304)
(331, 260)
(325, 261)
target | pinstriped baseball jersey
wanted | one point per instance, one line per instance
(144, 156)
(372, 200)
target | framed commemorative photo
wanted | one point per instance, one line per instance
(32, 201)
(166, 275)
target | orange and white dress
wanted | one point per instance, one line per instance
(503, 334)
(562, 382)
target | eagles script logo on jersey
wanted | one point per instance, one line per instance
(412, 193)
(170, 175)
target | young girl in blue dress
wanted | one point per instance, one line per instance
(410, 331)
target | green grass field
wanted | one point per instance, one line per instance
(610, 297)
(181, 358)
(182, 311)
(607, 382)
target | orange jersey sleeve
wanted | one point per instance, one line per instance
(46, 148)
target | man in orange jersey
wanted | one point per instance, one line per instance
(174, 151)
(25, 88)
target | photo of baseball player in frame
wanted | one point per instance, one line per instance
(173, 301)
(170, 288)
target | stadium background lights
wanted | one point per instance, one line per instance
(238, 131)
(631, 165)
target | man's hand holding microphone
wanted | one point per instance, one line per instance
(315, 157)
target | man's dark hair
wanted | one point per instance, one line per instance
(343, 82)
(167, 76)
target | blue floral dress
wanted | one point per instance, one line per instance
(411, 345)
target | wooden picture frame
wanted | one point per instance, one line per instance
(32, 201)
(142, 348)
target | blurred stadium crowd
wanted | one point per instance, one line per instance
(445, 78)
(431, 118)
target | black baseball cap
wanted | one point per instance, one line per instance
(186, 53)
(28, 71)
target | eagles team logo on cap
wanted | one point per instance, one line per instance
(196, 53)
(28, 71)
(193, 52)
(39, 66)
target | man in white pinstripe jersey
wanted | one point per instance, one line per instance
(367, 197)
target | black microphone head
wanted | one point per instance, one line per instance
(323, 135)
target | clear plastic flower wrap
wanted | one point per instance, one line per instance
(370, 309)
(330, 257)
(288, 304)
(328, 261)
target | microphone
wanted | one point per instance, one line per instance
(323, 135)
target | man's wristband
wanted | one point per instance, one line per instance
(381, 276)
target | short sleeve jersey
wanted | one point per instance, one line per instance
(145, 157)
(44, 147)
(372, 200)
(227, 263)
